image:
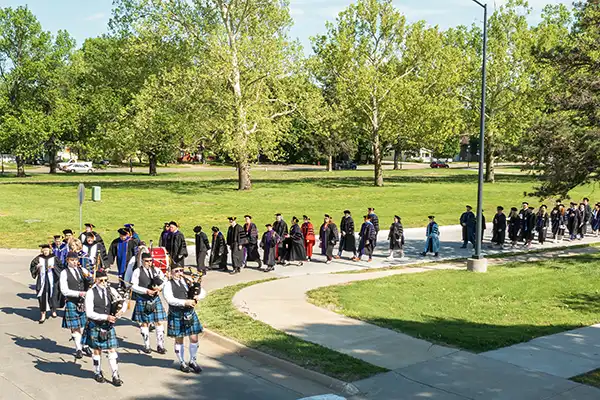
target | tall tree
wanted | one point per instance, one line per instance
(30, 64)
(564, 142)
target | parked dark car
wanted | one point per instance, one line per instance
(344, 165)
(439, 164)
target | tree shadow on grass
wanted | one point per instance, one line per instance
(583, 302)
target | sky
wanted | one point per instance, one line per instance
(89, 18)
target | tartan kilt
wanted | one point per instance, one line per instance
(73, 319)
(139, 315)
(92, 330)
(176, 326)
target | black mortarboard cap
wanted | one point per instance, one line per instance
(327, 216)
(72, 254)
(268, 225)
(347, 212)
(305, 217)
(67, 231)
(122, 231)
(57, 236)
(248, 216)
(500, 208)
(90, 225)
(197, 229)
(215, 229)
(231, 218)
(44, 246)
(431, 216)
(173, 223)
(278, 215)
(398, 217)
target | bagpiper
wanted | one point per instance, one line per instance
(182, 319)
(147, 283)
(73, 285)
(103, 306)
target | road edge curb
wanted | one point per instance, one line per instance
(337, 385)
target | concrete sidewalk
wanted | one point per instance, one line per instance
(422, 369)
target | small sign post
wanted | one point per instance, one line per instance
(81, 197)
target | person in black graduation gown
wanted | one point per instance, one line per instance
(467, 221)
(530, 218)
(541, 223)
(251, 248)
(396, 238)
(269, 242)
(94, 253)
(177, 248)
(280, 227)
(347, 238)
(165, 236)
(295, 244)
(499, 227)
(45, 269)
(375, 221)
(89, 228)
(554, 219)
(236, 239)
(328, 235)
(573, 220)
(218, 254)
(122, 251)
(202, 248)
(514, 226)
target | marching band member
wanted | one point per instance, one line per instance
(147, 282)
(182, 319)
(100, 332)
(73, 282)
(45, 269)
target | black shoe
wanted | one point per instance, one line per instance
(195, 367)
(87, 351)
(147, 350)
(79, 354)
(161, 350)
(41, 321)
(423, 254)
(116, 380)
(184, 368)
(436, 255)
(99, 378)
(463, 246)
(269, 269)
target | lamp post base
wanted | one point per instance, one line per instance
(477, 264)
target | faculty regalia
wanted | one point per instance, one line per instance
(46, 272)
(329, 237)
(236, 237)
(202, 248)
(581, 227)
(531, 220)
(73, 282)
(97, 237)
(268, 243)
(432, 241)
(123, 252)
(469, 224)
(218, 255)
(572, 222)
(375, 222)
(367, 239)
(347, 238)
(554, 221)
(595, 221)
(514, 226)
(92, 254)
(177, 248)
(251, 248)
(281, 228)
(308, 231)
(164, 239)
(541, 226)
(396, 236)
(527, 225)
(499, 229)
(295, 247)
(181, 320)
(587, 216)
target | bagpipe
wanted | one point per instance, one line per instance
(194, 282)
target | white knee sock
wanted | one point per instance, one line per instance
(113, 361)
(193, 351)
(179, 351)
(97, 359)
(160, 336)
(77, 339)
(145, 331)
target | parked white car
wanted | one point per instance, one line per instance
(63, 165)
(79, 167)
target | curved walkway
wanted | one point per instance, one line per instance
(417, 365)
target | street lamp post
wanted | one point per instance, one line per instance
(478, 263)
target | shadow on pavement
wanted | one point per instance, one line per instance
(30, 313)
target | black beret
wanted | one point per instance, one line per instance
(215, 229)
(173, 223)
(198, 229)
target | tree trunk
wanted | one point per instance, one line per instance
(152, 166)
(490, 160)
(20, 167)
(330, 163)
(396, 157)
(52, 155)
(377, 160)
(244, 182)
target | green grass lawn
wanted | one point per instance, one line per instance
(591, 378)
(478, 312)
(218, 314)
(35, 208)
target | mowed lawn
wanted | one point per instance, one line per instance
(477, 312)
(33, 209)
